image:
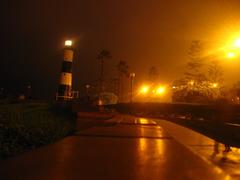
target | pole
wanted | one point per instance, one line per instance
(132, 75)
(131, 89)
(87, 92)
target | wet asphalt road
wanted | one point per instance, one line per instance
(123, 148)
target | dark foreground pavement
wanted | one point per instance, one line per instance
(123, 148)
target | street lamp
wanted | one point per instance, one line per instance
(234, 49)
(230, 55)
(215, 85)
(87, 88)
(144, 89)
(29, 89)
(160, 90)
(237, 43)
(132, 76)
(87, 91)
(191, 82)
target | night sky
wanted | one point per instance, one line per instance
(144, 33)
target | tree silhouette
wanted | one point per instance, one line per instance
(203, 81)
(192, 87)
(122, 68)
(215, 72)
(234, 93)
(104, 54)
(195, 63)
(215, 76)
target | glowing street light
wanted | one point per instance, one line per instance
(68, 43)
(231, 55)
(233, 49)
(237, 43)
(215, 85)
(132, 75)
(144, 89)
(87, 89)
(191, 83)
(160, 90)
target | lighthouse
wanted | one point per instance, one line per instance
(64, 91)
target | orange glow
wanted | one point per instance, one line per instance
(143, 121)
(100, 102)
(215, 85)
(160, 145)
(142, 143)
(231, 55)
(160, 90)
(132, 75)
(144, 89)
(191, 83)
(142, 146)
(237, 43)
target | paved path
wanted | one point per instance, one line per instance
(205, 147)
(123, 148)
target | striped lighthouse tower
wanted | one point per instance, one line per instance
(65, 83)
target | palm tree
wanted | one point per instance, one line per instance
(122, 68)
(104, 54)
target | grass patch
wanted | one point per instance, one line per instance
(28, 126)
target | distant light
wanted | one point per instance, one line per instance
(68, 43)
(237, 43)
(160, 90)
(230, 55)
(191, 83)
(143, 121)
(100, 102)
(174, 87)
(215, 85)
(144, 89)
(132, 75)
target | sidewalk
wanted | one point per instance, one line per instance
(205, 147)
(122, 148)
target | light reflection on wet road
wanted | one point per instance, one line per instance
(126, 149)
